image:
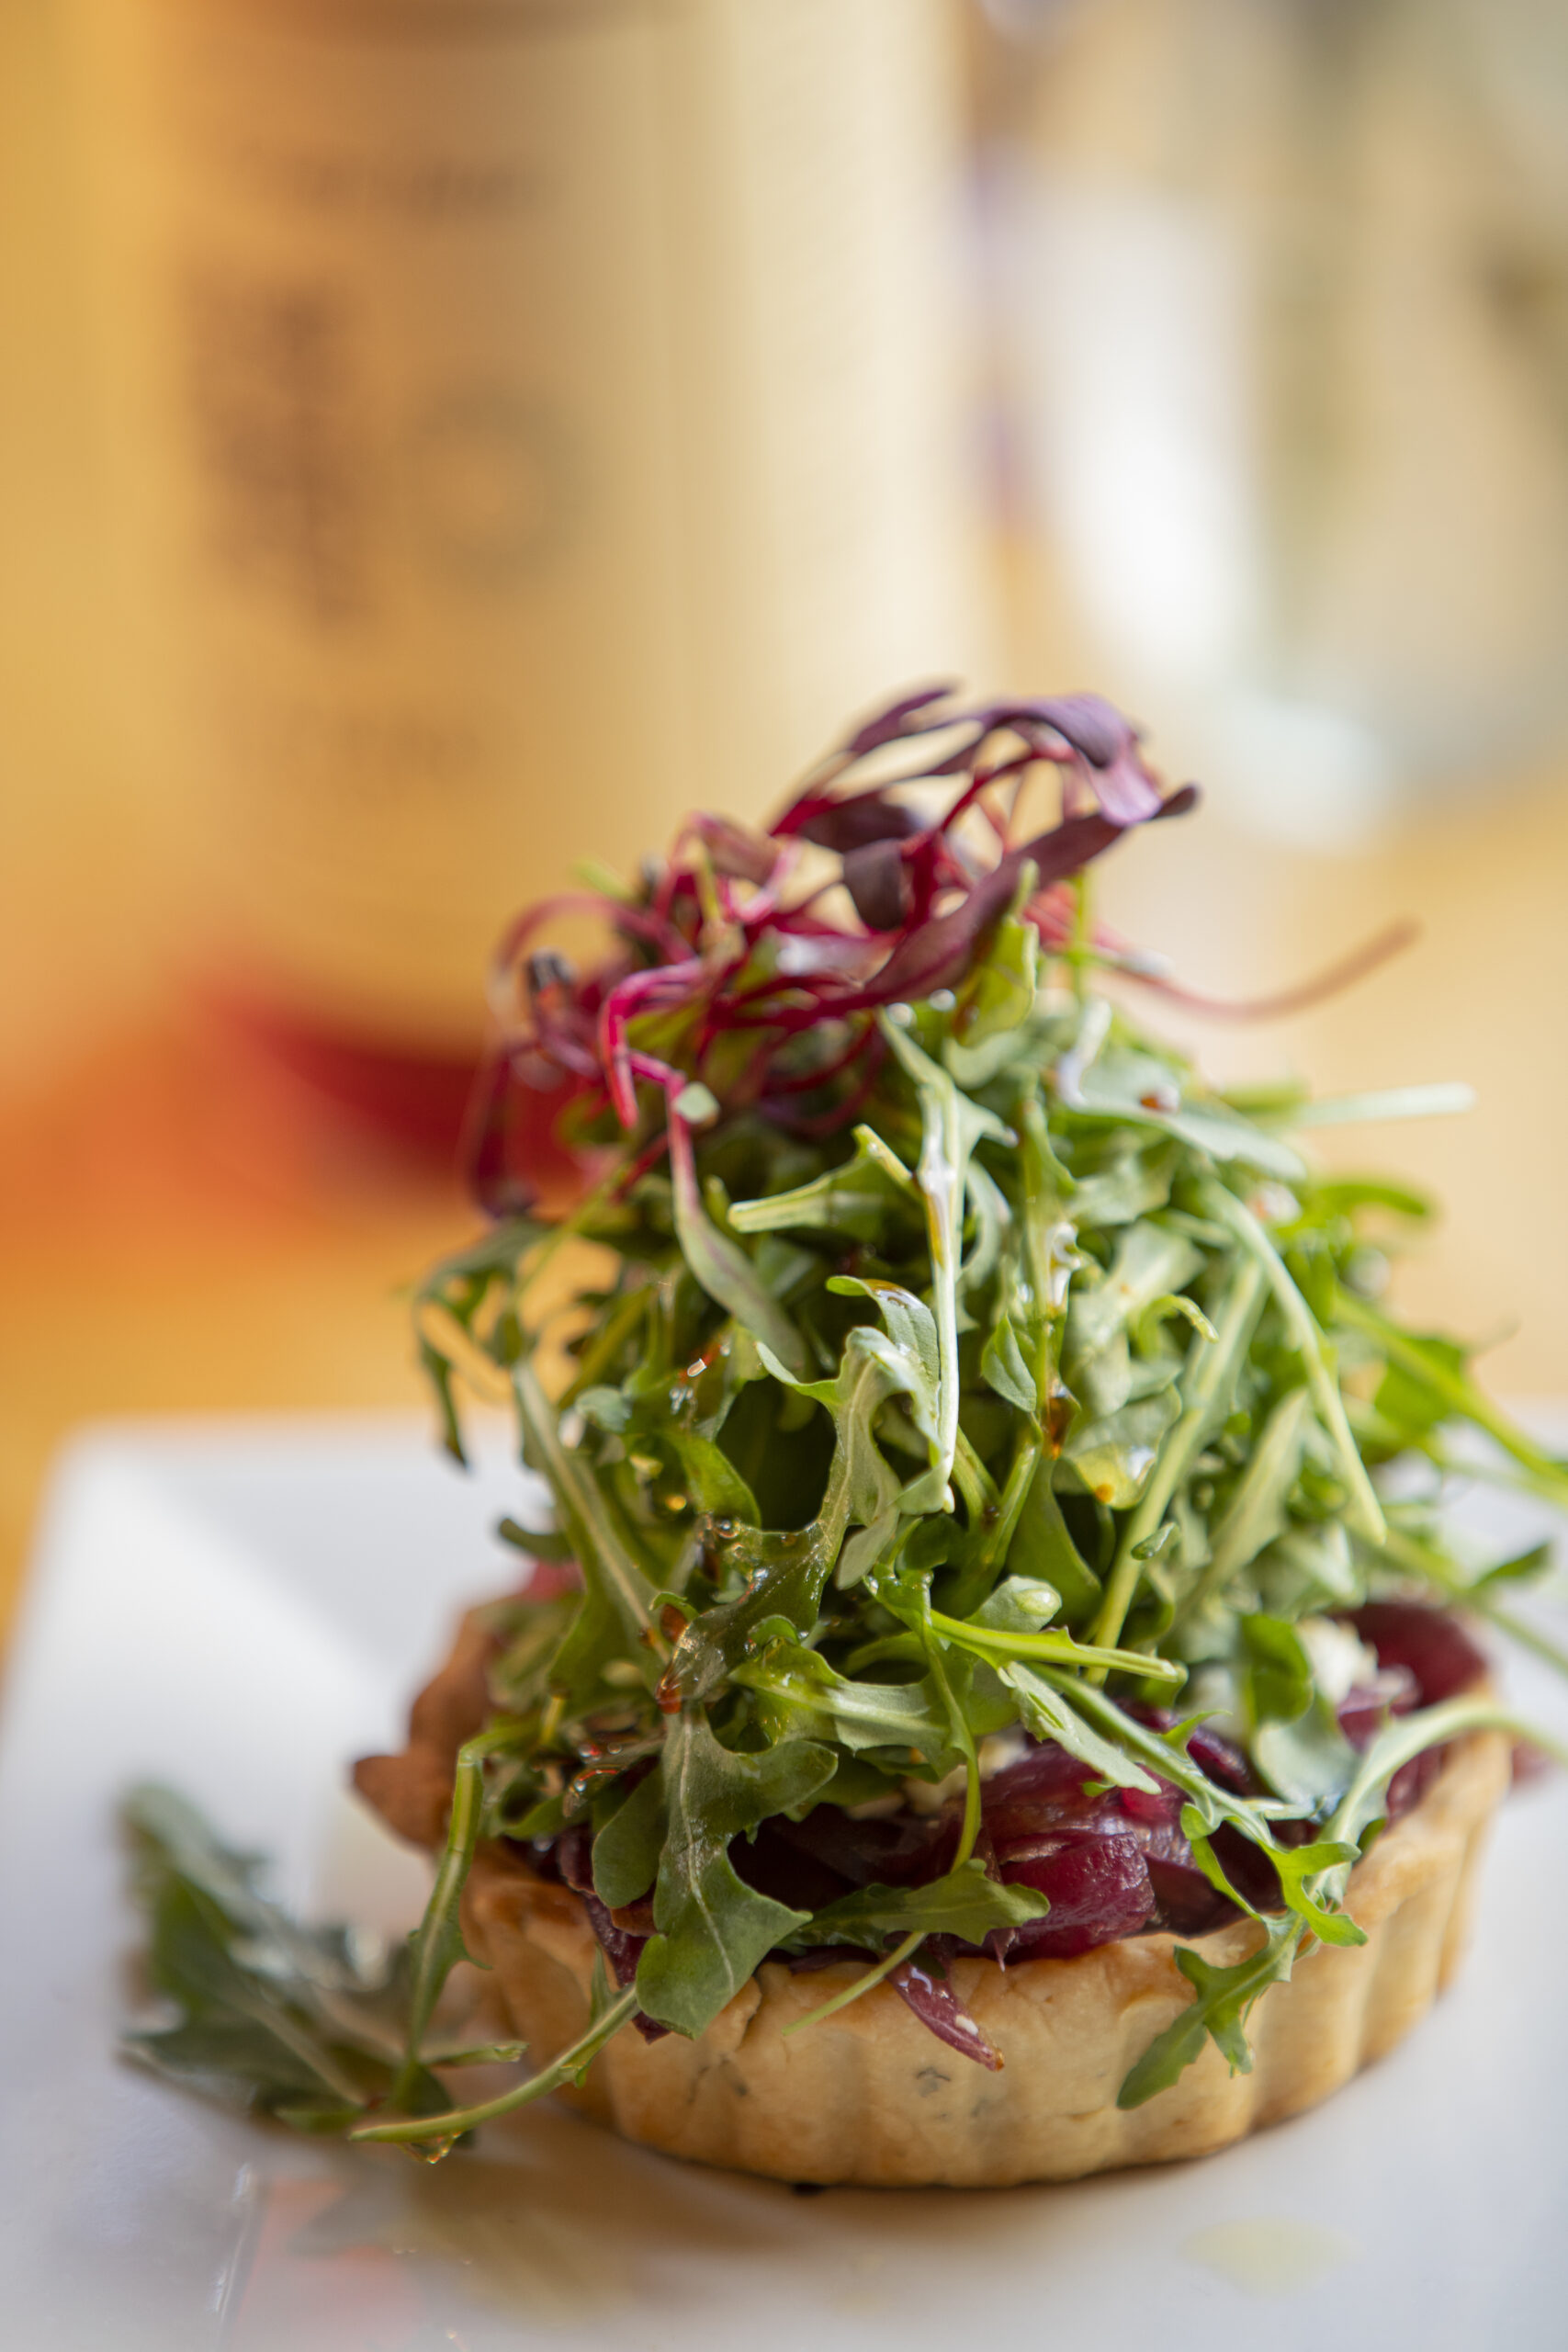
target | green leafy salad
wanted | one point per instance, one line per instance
(967, 1438)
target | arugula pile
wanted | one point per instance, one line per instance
(962, 1362)
(309, 2025)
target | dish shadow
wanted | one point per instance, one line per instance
(555, 2225)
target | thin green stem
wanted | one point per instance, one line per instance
(951, 1127)
(964, 1740)
(1407, 1737)
(972, 1478)
(605, 1558)
(979, 1575)
(438, 2131)
(1364, 1512)
(1211, 1369)
(603, 1349)
(437, 1942)
(1060, 1649)
(1461, 1394)
(1080, 956)
(1434, 1570)
(1254, 1514)
(942, 1181)
(862, 1983)
(1049, 1234)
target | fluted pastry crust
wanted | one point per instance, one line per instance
(871, 2096)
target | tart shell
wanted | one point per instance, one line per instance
(871, 2096)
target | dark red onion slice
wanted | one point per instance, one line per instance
(1112, 1863)
(1099, 1890)
(622, 1951)
(1363, 1713)
(1411, 1782)
(1431, 1643)
(938, 2006)
(805, 1964)
(1186, 1905)
(895, 1851)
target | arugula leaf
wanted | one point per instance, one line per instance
(1050, 1714)
(1308, 1759)
(477, 1289)
(719, 1263)
(1436, 1367)
(952, 1124)
(1279, 1672)
(1524, 1568)
(711, 1929)
(1123, 1174)
(628, 1848)
(1151, 1262)
(616, 1612)
(1115, 1454)
(804, 1698)
(1207, 1387)
(907, 1352)
(785, 1578)
(862, 1198)
(1002, 1367)
(1018, 1605)
(1133, 1087)
(787, 1573)
(1256, 1511)
(295, 2022)
(1314, 1879)
(1224, 1999)
(1043, 1551)
(966, 1904)
(436, 1945)
(1302, 1869)
(1363, 1508)
(1059, 1648)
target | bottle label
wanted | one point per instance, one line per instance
(531, 424)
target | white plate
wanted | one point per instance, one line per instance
(241, 1609)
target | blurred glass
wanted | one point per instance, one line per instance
(530, 419)
(1283, 287)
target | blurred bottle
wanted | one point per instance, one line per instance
(1285, 292)
(531, 419)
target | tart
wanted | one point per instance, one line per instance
(868, 2098)
(990, 1694)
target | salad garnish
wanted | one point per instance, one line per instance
(967, 1433)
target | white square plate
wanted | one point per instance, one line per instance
(241, 1609)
